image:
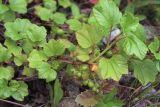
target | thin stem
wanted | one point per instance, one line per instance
(107, 48)
(14, 103)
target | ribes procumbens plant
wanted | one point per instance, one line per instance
(88, 58)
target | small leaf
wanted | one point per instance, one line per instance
(53, 48)
(4, 54)
(43, 13)
(74, 24)
(19, 6)
(58, 92)
(17, 30)
(20, 59)
(88, 36)
(64, 3)
(36, 33)
(6, 73)
(4, 89)
(50, 4)
(145, 71)
(12, 47)
(28, 71)
(58, 18)
(154, 48)
(133, 46)
(75, 11)
(8, 16)
(87, 99)
(36, 58)
(46, 72)
(19, 89)
(113, 68)
(110, 100)
(157, 63)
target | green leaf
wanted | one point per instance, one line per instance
(29, 72)
(133, 46)
(154, 48)
(27, 46)
(145, 71)
(110, 100)
(107, 14)
(53, 48)
(157, 63)
(46, 72)
(19, 89)
(3, 8)
(36, 33)
(8, 16)
(88, 36)
(4, 89)
(4, 54)
(6, 73)
(140, 33)
(75, 11)
(43, 13)
(64, 3)
(12, 47)
(20, 59)
(113, 68)
(50, 4)
(36, 58)
(74, 24)
(58, 93)
(17, 30)
(58, 18)
(82, 55)
(19, 6)
(129, 22)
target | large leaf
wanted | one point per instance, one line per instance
(19, 89)
(58, 92)
(4, 54)
(107, 14)
(113, 68)
(129, 22)
(3, 8)
(145, 71)
(133, 46)
(53, 48)
(46, 72)
(36, 33)
(154, 48)
(88, 36)
(19, 6)
(17, 30)
(36, 58)
(6, 73)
